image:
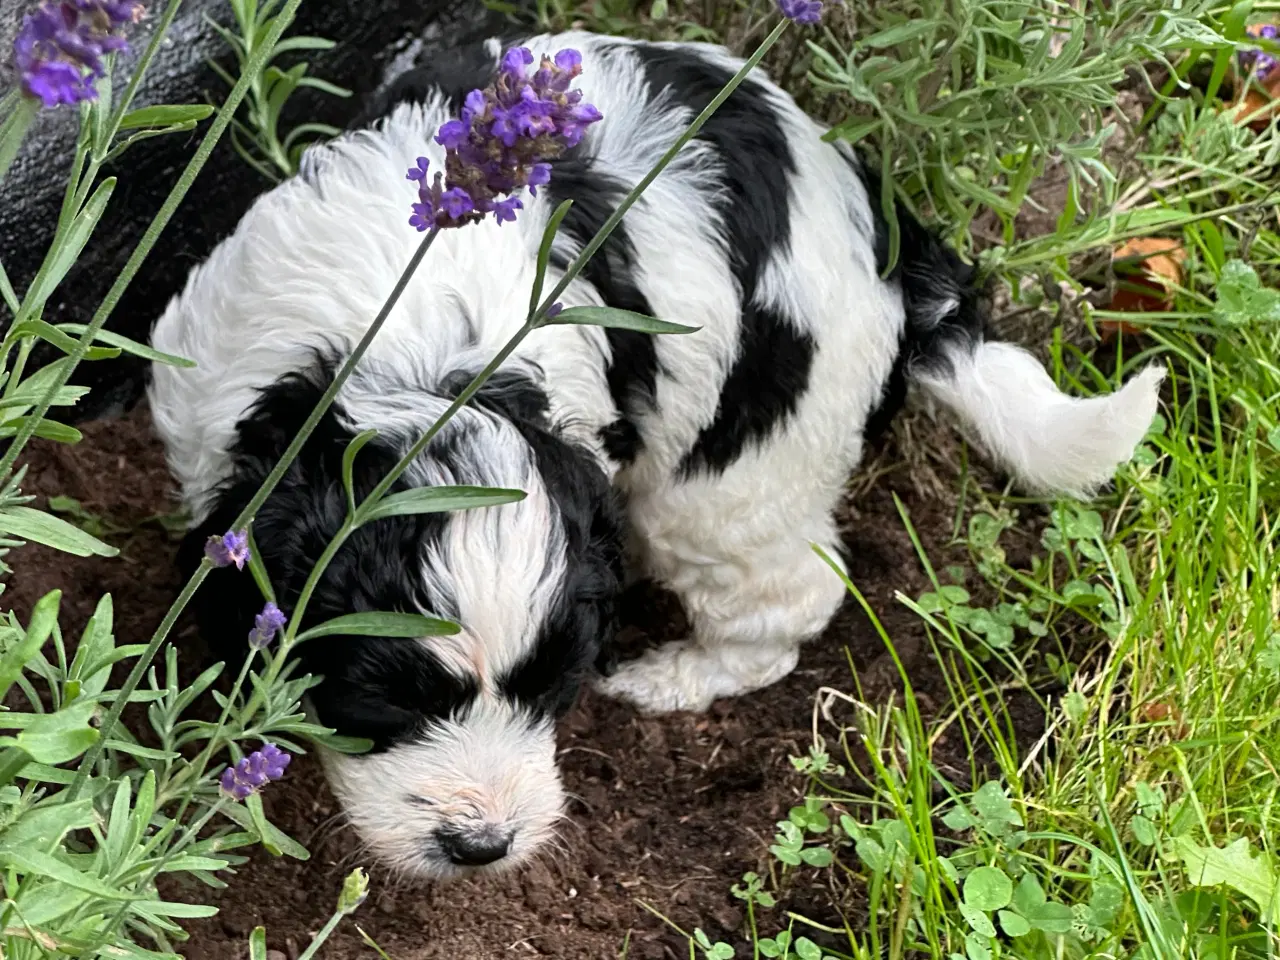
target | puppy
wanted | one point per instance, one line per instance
(728, 447)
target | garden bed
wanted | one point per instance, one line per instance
(670, 811)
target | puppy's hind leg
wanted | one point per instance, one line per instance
(754, 591)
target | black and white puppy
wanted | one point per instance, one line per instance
(729, 447)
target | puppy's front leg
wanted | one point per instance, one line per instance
(754, 591)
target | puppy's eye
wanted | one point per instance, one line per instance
(421, 801)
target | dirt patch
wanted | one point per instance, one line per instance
(669, 811)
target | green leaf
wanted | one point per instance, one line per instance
(618, 320)
(34, 525)
(806, 949)
(42, 903)
(67, 251)
(129, 346)
(1150, 799)
(339, 744)
(94, 650)
(1144, 831)
(408, 625)
(324, 86)
(1075, 706)
(258, 569)
(7, 293)
(61, 339)
(189, 863)
(44, 617)
(55, 738)
(1029, 900)
(144, 806)
(438, 500)
(164, 116)
(302, 43)
(985, 530)
(1012, 924)
(544, 253)
(1239, 866)
(258, 944)
(897, 34)
(1029, 896)
(978, 920)
(276, 841)
(1105, 902)
(959, 818)
(118, 823)
(167, 908)
(1051, 918)
(976, 946)
(124, 144)
(988, 888)
(46, 429)
(1242, 299)
(816, 856)
(253, 805)
(348, 465)
(33, 862)
(45, 825)
(993, 807)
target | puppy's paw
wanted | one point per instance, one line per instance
(686, 676)
(675, 676)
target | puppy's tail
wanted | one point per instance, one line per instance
(1050, 442)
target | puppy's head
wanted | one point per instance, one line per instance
(462, 775)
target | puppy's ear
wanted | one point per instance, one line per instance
(290, 529)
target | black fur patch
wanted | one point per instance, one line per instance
(771, 371)
(762, 389)
(453, 71)
(930, 275)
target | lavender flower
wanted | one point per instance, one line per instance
(254, 771)
(266, 625)
(805, 12)
(231, 547)
(59, 47)
(1256, 61)
(506, 134)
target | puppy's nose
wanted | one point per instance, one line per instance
(473, 848)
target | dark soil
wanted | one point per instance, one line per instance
(669, 812)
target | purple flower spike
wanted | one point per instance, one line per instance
(231, 547)
(505, 210)
(59, 47)
(515, 60)
(254, 772)
(805, 12)
(453, 135)
(456, 203)
(419, 172)
(569, 60)
(266, 625)
(1258, 62)
(539, 174)
(503, 141)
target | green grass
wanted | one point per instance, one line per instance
(1139, 820)
(1141, 823)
